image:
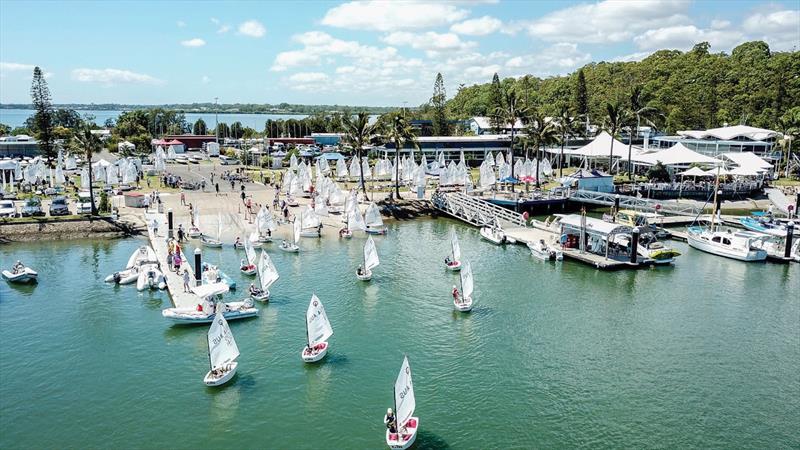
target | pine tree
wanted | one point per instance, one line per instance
(581, 96)
(199, 127)
(438, 102)
(496, 104)
(42, 103)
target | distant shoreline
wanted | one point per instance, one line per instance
(210, 109)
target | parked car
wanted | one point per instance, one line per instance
(59, 207)
(32, 207)
(7, 208)
(84, 203)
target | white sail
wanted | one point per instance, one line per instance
(310, 219)
(219, 226)
(267, 273)
(372, 216)
(85, 178)
(222, 347)
(250, 251)
(318, 327)
(456, 247)
(320, 207)
(341, 169)
(71, 163)
(297, 228)
(354, 219)
(404, 401)
(265, 220)
(370, 255)
(466, 280)
(59, 174)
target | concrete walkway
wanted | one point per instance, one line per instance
(180, 299)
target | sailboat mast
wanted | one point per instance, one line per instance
(716, 189)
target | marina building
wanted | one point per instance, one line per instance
(483, 125)
(475, 148)
(715, 141)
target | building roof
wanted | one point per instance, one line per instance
(594, 225)
(486, 122)
(479, 138)
(586, 173)
(729, 133)
(678, 154)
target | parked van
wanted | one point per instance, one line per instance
(227, 160)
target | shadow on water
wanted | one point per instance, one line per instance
(426, 439)
(26, 289)
(332, 359)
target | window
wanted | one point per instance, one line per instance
(716, 239)
(726, 241)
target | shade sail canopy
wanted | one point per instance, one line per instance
(694, 172)
(748, 161)
(730, 133)
(601, 146)
(676, 155)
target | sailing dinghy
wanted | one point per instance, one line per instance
(463, 302)
(292, 247)
(371, 261)
(222, 353)
(406, 425)
(212, 242)
(453, 261)
(249, 267)
(374, 222)
(318, 331)
(267, 274)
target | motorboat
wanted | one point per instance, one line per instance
(204, 312)
(142, 255)
(453, 261)
(545, 252)
(494, 235)
(463, 301)
(371, 261)
(404, 432)
(213, 274)
(762, 223)
(318, 331)
(20, 274)
(736, 245)
(150, 277)
(126, 276)
(222, 352)
(267, 274)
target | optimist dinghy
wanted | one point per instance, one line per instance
(222, 353)
(403, 432)
(371, 261)
(267, 274)
(318, 331)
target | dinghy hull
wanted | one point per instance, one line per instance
(211, 380)
(365, 277)
(453, 267)
(27, 275)
(406, 437)
(463, 305)
(320, 350)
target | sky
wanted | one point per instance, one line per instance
(376, 53)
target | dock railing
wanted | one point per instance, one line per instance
(475, 211)
(636, 203)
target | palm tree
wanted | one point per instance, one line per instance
(566, 123)
(789, 124)
(541, 133)
(90, 143)
(512, 112)
(617, 116)
(399, 131)
(358, 132)
(641, 104)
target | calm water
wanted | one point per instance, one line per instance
(16, 117)
(705, 354)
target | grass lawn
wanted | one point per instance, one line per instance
(786, 182)
(46, 219)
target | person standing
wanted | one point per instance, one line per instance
(186, 280)
(217, 187)
(183, 199)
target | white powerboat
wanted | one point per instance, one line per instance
(267, 274)
(126, 276)
(222, 353)
(371, 261)
(142, 255)
(494, 235)
(453, 261)
(406, 425)
(318, 331)
(208, 307)
(20, 274)
(150, 277)
(463, 302)
(545, 252)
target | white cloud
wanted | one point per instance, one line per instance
(111, 77)
(684, 37)
(319, 46)
(636, 56)
(252, 28)
(181, 24)
(224, 29)
(781, 29)
(293, 58)
(482, 73)
(477, 27)
(719, 24)
(308, 77)
(429, 41)
(196, 42)
(15, 67)
(345, 69)
(607, 21)
(384, 15)
(556, 59)
(205, 79)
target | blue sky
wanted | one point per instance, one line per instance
(357, 53)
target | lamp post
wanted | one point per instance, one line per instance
(216, 121)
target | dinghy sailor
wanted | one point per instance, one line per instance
(390, 420)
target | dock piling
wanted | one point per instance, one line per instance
(787, 251)
(198, 269)
(634, 244)
(169, 223)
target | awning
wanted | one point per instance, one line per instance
(694, 172)
(676, 155)
(601, 147)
